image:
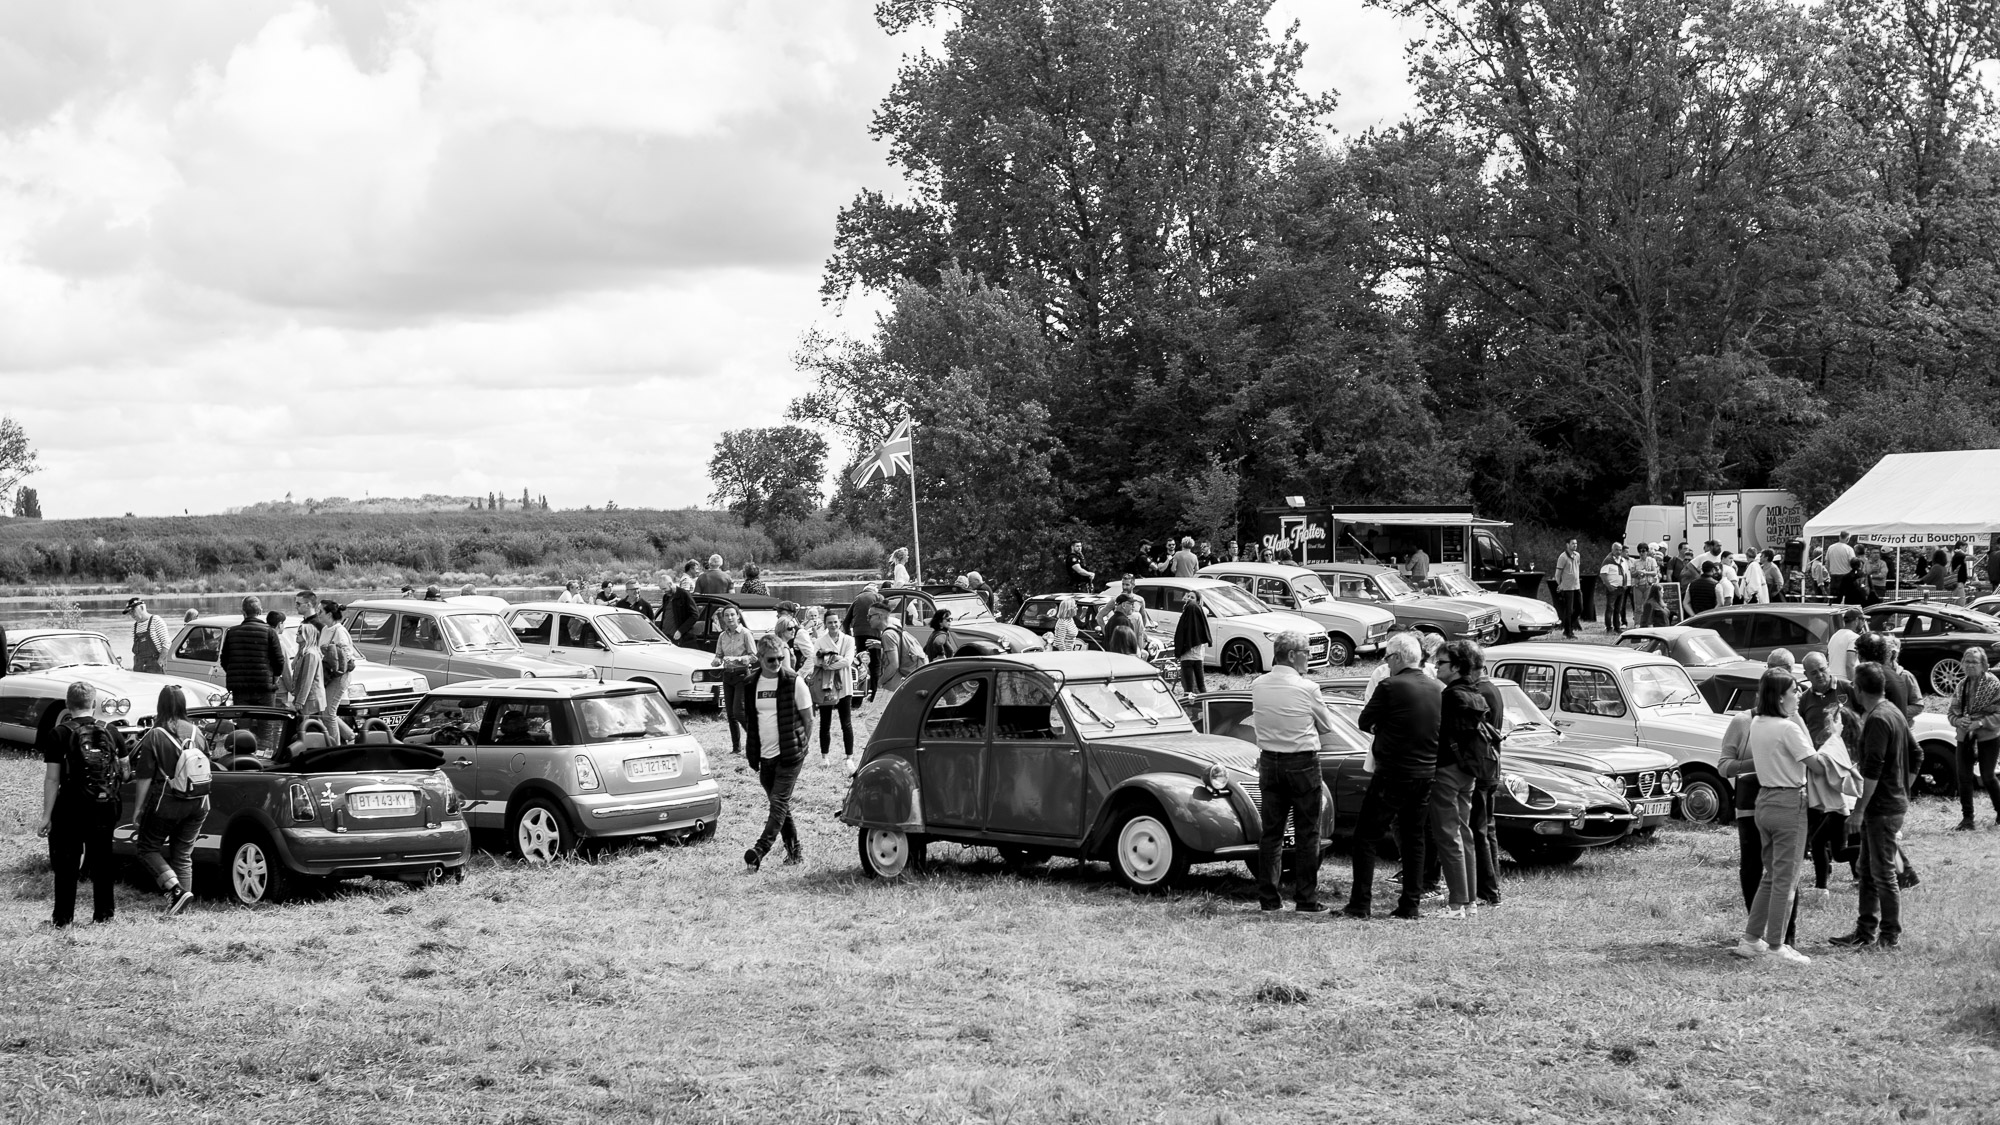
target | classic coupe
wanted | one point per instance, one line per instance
(620, 644)
(1454, 619)
(376, 691)
(970, 619)
(295, 811)
(1038, 754)
(447, 642)
(1521, 618)
(42, 663)
(1352, 628)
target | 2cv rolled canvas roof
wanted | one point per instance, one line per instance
(1918, 499)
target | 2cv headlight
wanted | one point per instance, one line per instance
(1217, 779)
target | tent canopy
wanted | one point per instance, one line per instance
(1919, 499)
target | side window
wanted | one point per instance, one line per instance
(1355, 587)
(1538, 680)
(958, 714)
(913, 612)
(1040, 613)
(1241, 581)
(577, 632)
(1025, 708)
(1731, 628)
(1229, 718)
(525, 724)
(371, 626)
(1273, 591)
(203, 642)
(1768, 630)
(420, 631)
(1587, 691)
(533, 626)
(441, 720)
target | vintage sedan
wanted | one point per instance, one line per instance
(1721, 674)
(42, 663)
(553, 763)
(1352, 628)
(1454, 619)
(376, 691)
(1081, 754)
(1543, 814)
(620, 644)
(447, 642)
(1242, 627)
(294, 812)
(1627, 697)
(1755, 631)
(1520, 618)
(970, 619)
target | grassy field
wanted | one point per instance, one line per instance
(670, 985)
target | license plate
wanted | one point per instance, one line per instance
(382, 804)
(666, 765)
(1656, 808)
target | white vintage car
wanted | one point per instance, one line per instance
(1520, 618)
(1352, 628)
(42, 663)
(621, 644)
(374, 690)
(1628, 697)
(1242, 627)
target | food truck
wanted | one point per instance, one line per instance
(1454, 539)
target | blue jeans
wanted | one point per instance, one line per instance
(1451, 830)
(779, 777)
(1289, 784)
(174, 835)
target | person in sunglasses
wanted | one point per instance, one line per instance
(776, 731)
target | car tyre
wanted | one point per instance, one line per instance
(890, 854)
(1545, 855)
(1018, 858)
(1144, 853)
(538, 832)
(1239, 658)
(1946, 675)
(1339, 650)
(252, 872)
(1937, 775)
(1705, 799)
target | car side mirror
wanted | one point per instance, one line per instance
(118, 660)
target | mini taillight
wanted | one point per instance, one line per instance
(451, 801)
(586, 773)
(302, 804)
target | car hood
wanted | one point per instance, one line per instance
(1567, 786)
(1193, 745)
(522, 662)
(1689, 726)
(1013, 638)
(665, 654)
(1431, 603)
(1595, 755)
(1367, 613)
(1532, 610)
(142, 688)
(1276, 621)
(374, 679)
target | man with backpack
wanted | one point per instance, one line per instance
(80, 795)
(171, 802)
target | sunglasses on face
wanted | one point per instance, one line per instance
(774, 660)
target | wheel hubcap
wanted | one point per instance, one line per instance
(1144, 849)
(888, 851)
(1946, 675)
(251, 873)
(1700, 802)
(1237, 659)
(539, 835)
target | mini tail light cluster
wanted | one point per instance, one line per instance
(302, 804)
(586, 773)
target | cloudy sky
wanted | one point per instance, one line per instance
(355, 247)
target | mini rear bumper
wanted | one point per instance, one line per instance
(642, 814)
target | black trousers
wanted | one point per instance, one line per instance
(1750, 870)
(1290, 784)
(873, 647)
(1987, 755)
(1569, 603)
(1194, 679)
(1881, 904)
(845, 708)
(779, 776)
(80, 836)
(1485, 845)
(1406, 801)
(1826, 838)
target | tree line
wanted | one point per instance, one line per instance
(1619, 249)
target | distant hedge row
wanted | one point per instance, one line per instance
(184, 547)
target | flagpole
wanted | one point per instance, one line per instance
(916, 544)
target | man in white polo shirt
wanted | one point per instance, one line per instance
(1840, 570)
(1291, 719)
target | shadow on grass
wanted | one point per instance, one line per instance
(1680, 954)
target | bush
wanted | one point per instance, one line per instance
(849, 552)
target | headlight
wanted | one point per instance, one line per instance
(1217, 779)
(1609, 782)
(218, 699)
(1516, 788)
(1673, 781)
(1539, 799)
(586, 773)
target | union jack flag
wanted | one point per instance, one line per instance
(891, 457)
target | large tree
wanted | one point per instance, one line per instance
(769, 475)
(17, 456)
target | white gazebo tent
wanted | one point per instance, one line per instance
(1918, 501)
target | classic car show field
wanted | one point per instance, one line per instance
(667, 985)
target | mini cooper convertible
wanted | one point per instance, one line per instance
(295, 811)
(1038, 754)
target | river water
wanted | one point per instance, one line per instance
(103, 613)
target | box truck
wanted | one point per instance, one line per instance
(1743, 520)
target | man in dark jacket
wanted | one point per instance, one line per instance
(1702, 591)
(1403, 714)
(779, 707)
(1082, 579)
(1121, 632)
(867, 636)
(714, 580)
(253, 663)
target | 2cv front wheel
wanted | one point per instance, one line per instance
(890, 853)
(1144, 854)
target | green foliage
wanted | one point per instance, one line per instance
(769, 475)
(1214, 502)
(17, 456)
(27, 503)
(1898, 418)
(849, 552)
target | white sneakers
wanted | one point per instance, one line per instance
(1457, 913)
(1787, 953)
(1752, 948)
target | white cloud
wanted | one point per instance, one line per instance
(402, 246)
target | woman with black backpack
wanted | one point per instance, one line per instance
(81, 788)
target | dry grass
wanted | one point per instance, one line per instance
(669, 985)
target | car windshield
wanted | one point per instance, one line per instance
(1708, 648)
(612, 718)
(1310, 590)
(1393, 585)
(1229, 601)
(64, 651)
(627, 628)
(963, 607)
(1660, 685)
(478, 630)
(1522, 714)
(1451, 584)
(1121, 706)
(760, 621)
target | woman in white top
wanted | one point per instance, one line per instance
(1754, 587)
(1065, 630)
(833, 683)
(305, 684)
(1780, 749)
(572, 593)
(899, 572)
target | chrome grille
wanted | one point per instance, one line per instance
(1256, 793)
(1120, 764)
(1647, 781)
(1316, 649)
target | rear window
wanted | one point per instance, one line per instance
(614, 718)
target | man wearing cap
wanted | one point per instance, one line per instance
(149, 637)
